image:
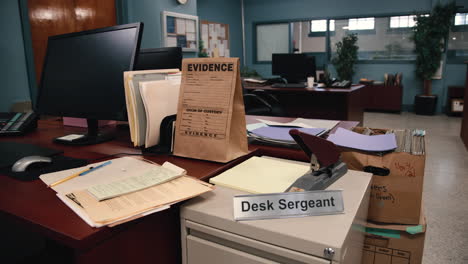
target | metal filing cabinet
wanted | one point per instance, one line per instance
(210, 234)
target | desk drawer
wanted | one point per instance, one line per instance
(239, 248)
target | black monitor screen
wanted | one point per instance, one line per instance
(83, 72)
(159, 58)
(295, 67)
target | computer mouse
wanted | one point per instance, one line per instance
(23, 163)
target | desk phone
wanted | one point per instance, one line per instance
(12, 123)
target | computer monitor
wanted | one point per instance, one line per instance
(294, 67)
(83, 77)
(159, 58)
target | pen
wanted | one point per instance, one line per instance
(81, 173)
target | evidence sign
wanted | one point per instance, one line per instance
(290, 204)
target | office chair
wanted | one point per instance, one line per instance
(272, 101)
(255, 105)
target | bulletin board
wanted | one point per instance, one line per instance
(180, 30)
(215, 37)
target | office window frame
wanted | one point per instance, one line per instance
(255, 38)
(453, 56)
(463, 18)
(408, 25)
(359, 22)
(321, 33)
(329, 34)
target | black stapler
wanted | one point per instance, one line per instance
(325, 164)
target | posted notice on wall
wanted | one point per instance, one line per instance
(211, 117)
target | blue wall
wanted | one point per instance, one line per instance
(14, 86)
(149, 12)
(13, 71)
(276, 10)
(227, 12)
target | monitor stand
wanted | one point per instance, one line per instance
(92, 137)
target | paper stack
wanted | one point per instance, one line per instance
(150, 96)
(378, 143)
(127, 189)
(262, 175)
(277, 133)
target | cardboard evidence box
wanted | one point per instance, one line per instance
(394, 244)
(397, 196)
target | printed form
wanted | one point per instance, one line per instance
(207, 98)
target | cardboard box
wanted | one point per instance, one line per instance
(394, 244)
(396, 195)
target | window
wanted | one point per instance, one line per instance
(321, 25)
(402, 21)
(271, 38)
(366, 23)
(461, 19)
(457, 51)
(381, 45)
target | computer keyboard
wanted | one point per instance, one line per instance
(17, 123)
(288, 85)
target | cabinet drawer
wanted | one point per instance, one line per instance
(200, 251)
(250, 247)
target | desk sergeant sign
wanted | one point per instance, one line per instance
(292, 204)
(210, 116)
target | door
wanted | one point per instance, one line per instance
(55, 17)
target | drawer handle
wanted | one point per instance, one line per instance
(329, 253)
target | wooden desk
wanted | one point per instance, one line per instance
(322, 103)
(32, 206)
(151, 239)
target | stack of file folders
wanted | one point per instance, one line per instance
(150, 96)
(411, 141)
(126, 189)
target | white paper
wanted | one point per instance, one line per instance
(213, 44)
(214, 35)
(180, 26)
(204, 30)
(190, 25)
(191, 37)
(171, 41)
(303, 122)
(211, 27)
(154, 176)
(82, 214)
(120, 168)
(251, 127)
(227, 53)
(222, 32)
(221, 49)
(217, 29)
(71, 137)
(160, 100)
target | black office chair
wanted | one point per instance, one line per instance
(255, 105)
(272, 101)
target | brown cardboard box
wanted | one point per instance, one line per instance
(396, 197)
(394, 244)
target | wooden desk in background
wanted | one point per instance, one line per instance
(321, 103)
(151, 239)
